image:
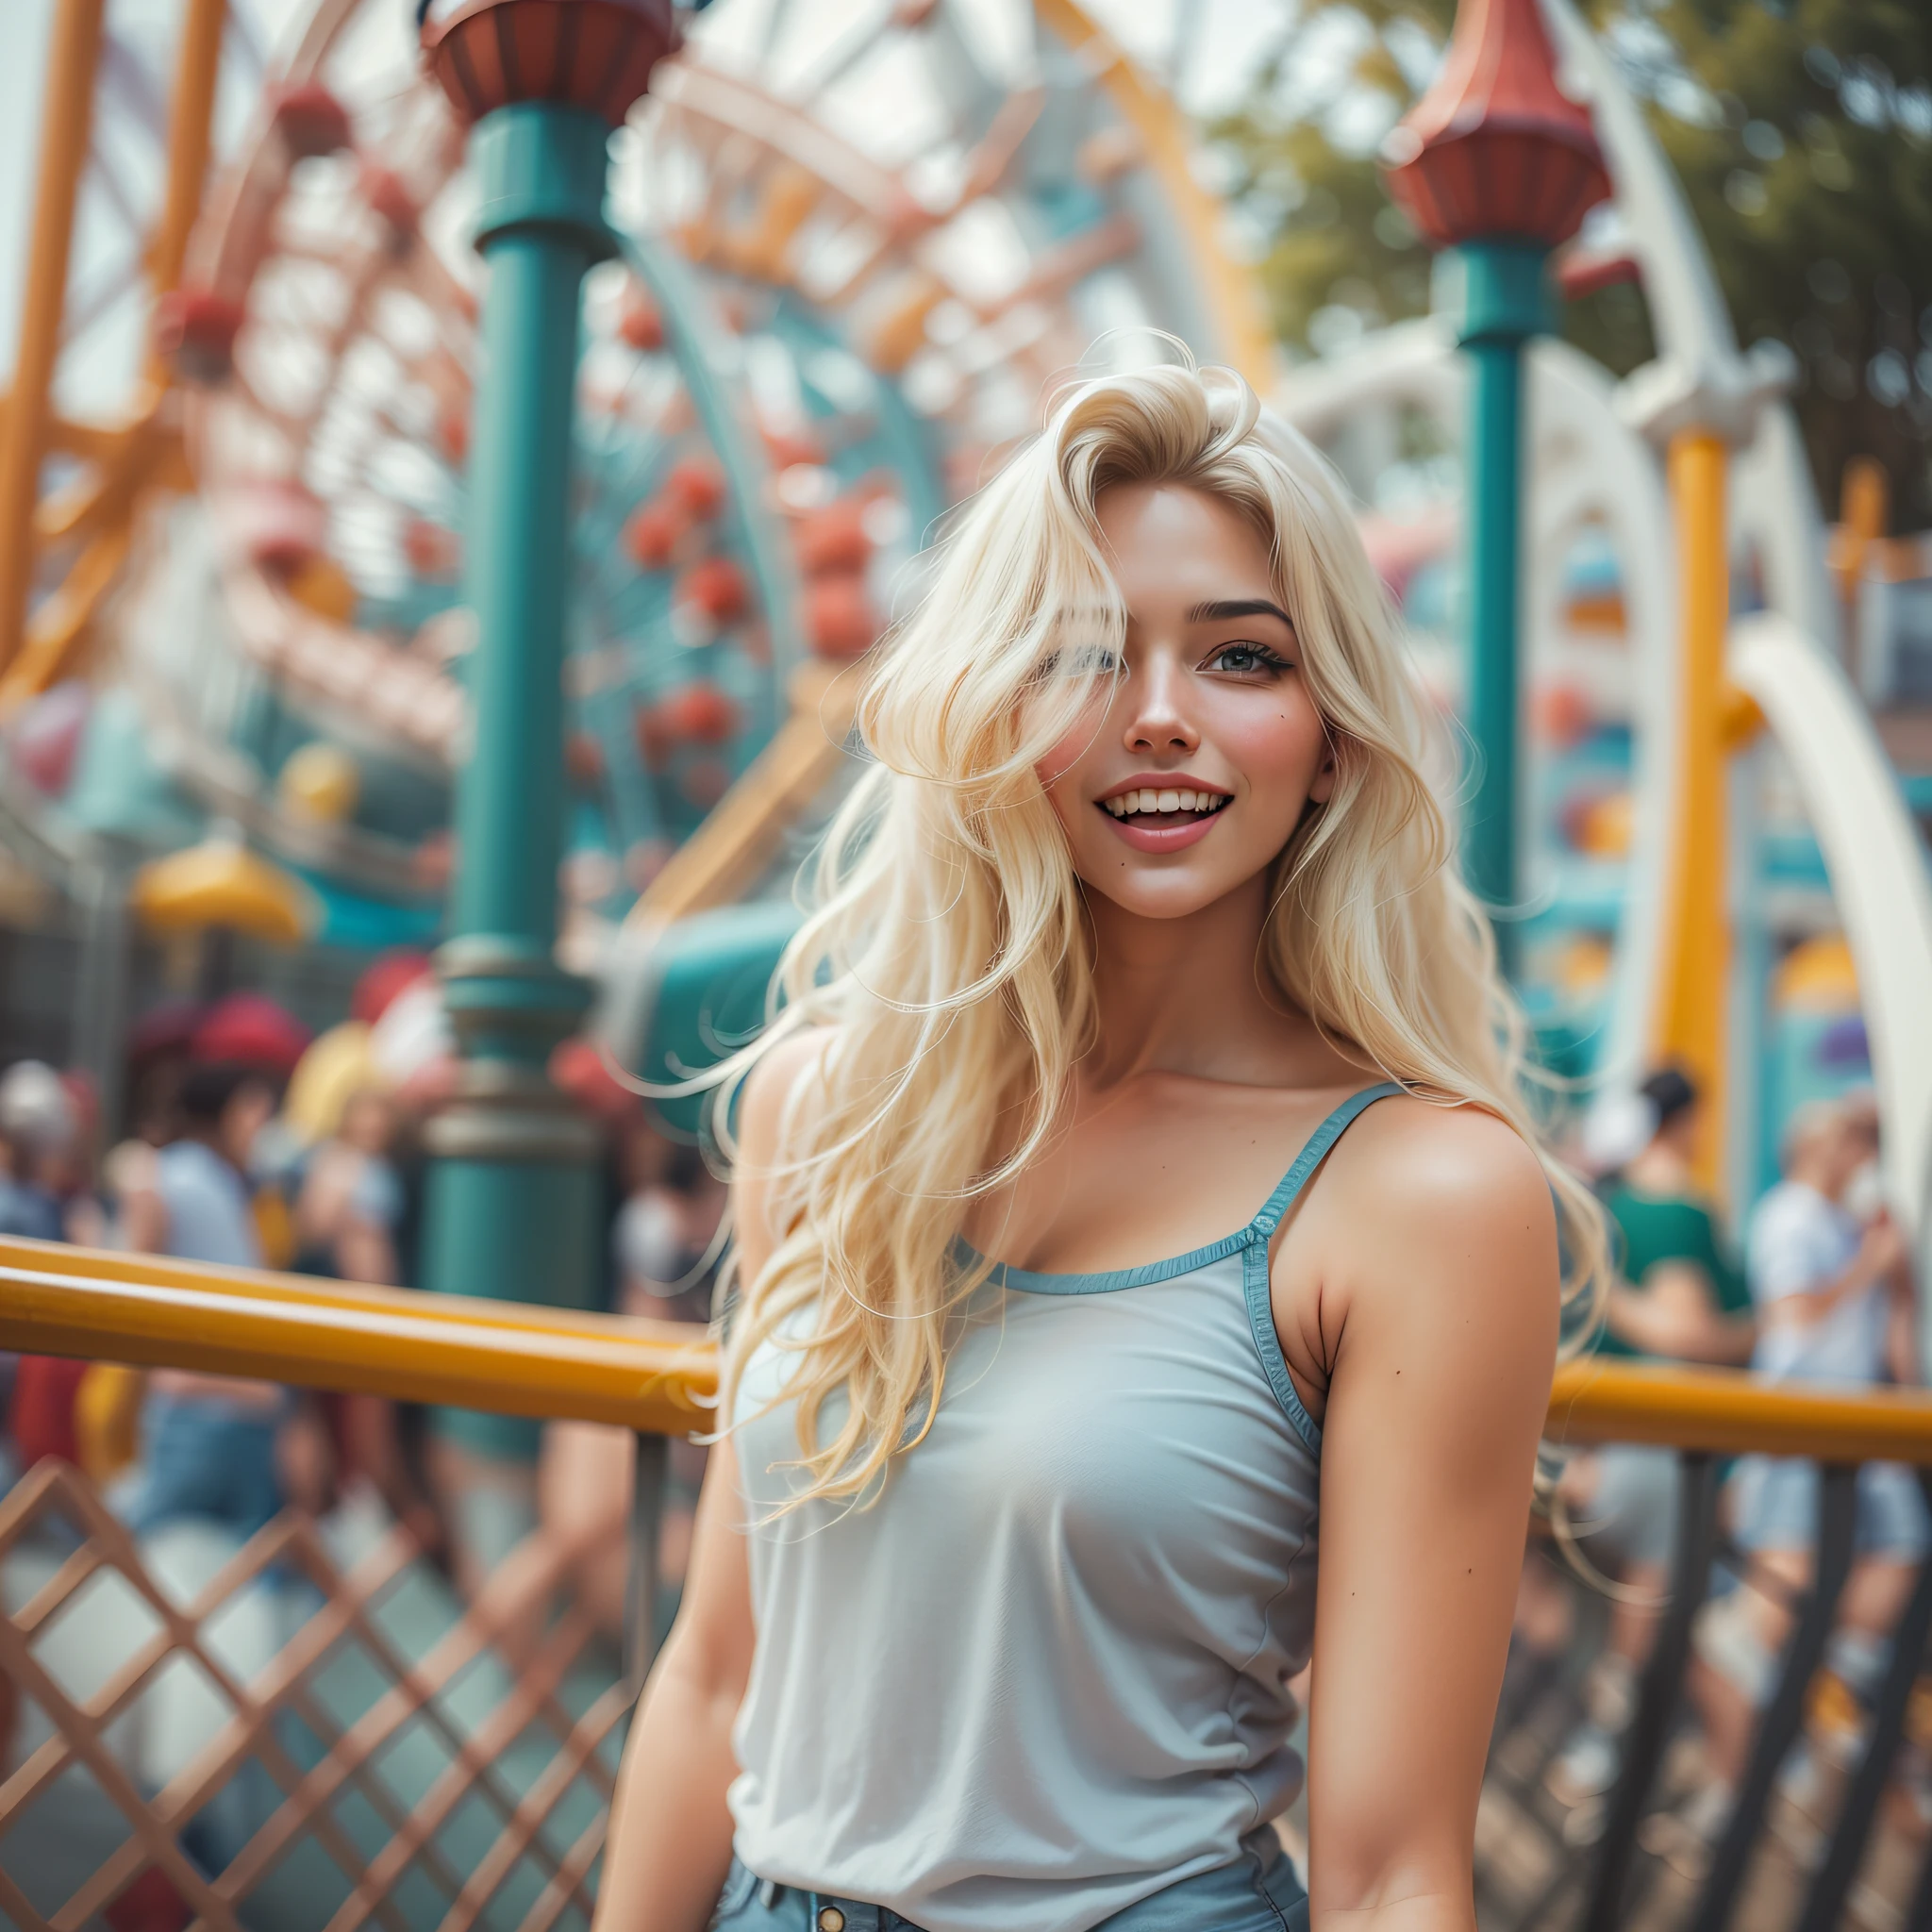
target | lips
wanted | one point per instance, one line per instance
(1164, 817)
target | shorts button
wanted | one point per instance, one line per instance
(831, 1919)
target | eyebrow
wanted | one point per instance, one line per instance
(1239, 606)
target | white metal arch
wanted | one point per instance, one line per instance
(1589, 467)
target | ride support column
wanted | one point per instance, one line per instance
(1505, 304)
(511, 1209)
(1697, 946)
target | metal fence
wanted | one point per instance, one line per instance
(313, 1731)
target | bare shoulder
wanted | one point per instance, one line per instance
(782, 1081)
(1413, 1156)
(1441, 1224)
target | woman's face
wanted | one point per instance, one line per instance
(1185, 779)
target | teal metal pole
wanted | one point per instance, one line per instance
(1505, 302)
(512, 1209)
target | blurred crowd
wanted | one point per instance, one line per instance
(1821, 1292)
(255, 1143)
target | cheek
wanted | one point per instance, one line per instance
(1059, 771)
(1276, 744)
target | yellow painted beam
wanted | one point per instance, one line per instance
(1229, 290)
(61, 624)
(1726, 1412)
(470, 1354)
(191, 122)
(66, 121)
(740, 835)
(524, 1359)
(1697, 944)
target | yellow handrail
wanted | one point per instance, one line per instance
(451, 1349)
(524, 1360)
(1729, 1412)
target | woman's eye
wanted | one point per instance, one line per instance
(1092, 660)
(1246, 658)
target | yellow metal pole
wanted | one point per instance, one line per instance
(66, 120)
(1690, 1025)
(524, 1359)
(190, 121)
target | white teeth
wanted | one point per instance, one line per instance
(1126, 804)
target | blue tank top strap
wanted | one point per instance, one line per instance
(1255, 1283)
(1310, 1158)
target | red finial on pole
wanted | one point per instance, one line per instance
(1495, 150)
(593, 53)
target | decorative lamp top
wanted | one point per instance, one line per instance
(592, 54)
(1495, 150)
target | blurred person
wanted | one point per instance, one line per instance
(348, 1209)
(350, 1202)
(38, 1128)
(222, 1448)
(1828, 1271)
(1678, 1296)
(663, 1259)
(662, 1244)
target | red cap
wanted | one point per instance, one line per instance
(594, 54)
(250, 1029)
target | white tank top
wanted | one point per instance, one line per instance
(1044, 1675)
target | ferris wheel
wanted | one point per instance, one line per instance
(850, 257)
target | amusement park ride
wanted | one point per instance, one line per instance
(849, 249)
(409, 596)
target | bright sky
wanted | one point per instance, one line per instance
(1224, 37)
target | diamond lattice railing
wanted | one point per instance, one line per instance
(296, 1742)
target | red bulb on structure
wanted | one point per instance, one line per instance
(834, 539)
(718, 588)
(697, 487)
(839, 615)
(196, 331)
(591, 54)
(700, 713)
(1495, 150)
(655, 534)
(310, 120)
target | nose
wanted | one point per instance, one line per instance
(1158, 721)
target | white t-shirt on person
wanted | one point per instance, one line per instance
(1800, 1242)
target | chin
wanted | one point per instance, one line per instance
(1169, 896)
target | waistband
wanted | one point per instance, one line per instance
(1259, 1892)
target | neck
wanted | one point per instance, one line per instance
(1819, 1179)
(1660, 1167)
(1189, 995)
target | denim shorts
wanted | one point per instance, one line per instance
(208, 1459)
(1777, 1508)
(1259, 1892)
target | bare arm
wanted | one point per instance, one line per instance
(670, 1840)
(670, 1835)
(1880, 1253)
(1676, 1314)
(1442, 1307)
(1902, 1322)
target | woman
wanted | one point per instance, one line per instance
(1003, 1566)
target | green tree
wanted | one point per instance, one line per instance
(1802, 133)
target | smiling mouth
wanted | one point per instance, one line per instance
(1163, 809)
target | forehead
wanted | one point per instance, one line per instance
(1174, 546)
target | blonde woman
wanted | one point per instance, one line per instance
(1007, 1553)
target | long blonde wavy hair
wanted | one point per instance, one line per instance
(946, 954)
